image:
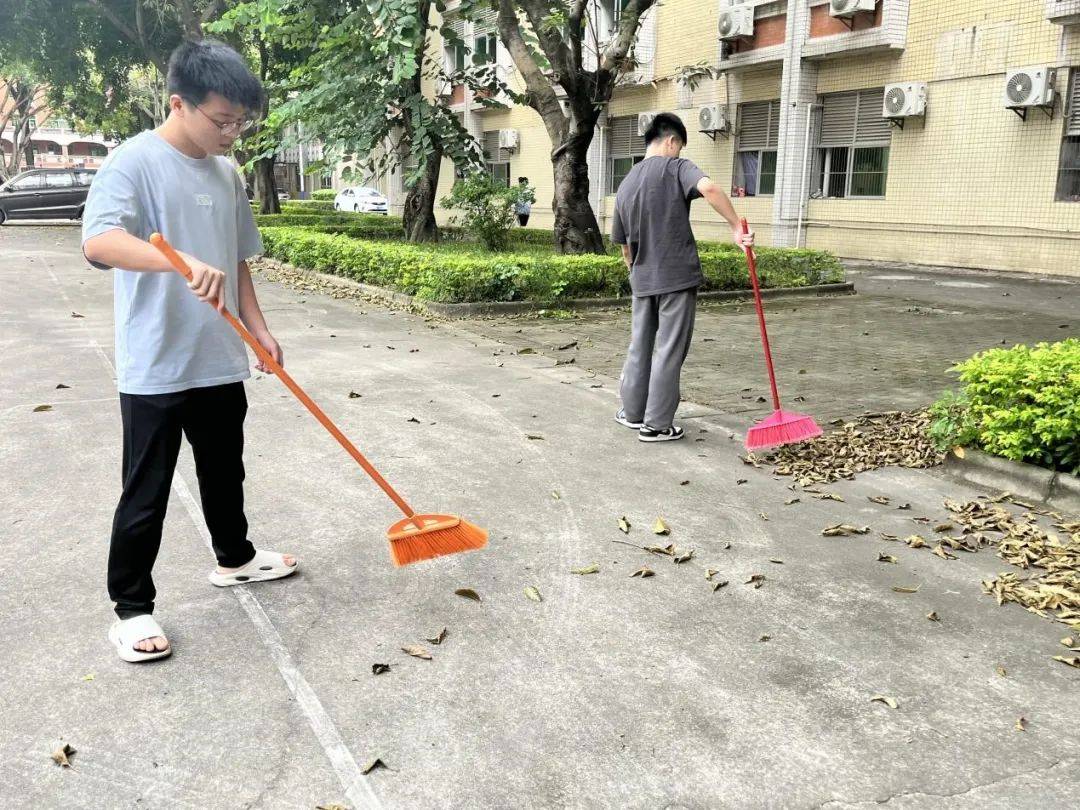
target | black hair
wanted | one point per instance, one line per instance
(197, 69)
(663, 125)
(523, 179)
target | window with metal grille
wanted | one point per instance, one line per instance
(496, 160)
(755, 152)
(1068, 184)
(852, 156)
(454, 53)
(625, 149)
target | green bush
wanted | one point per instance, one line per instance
(306, 206)
(1022, 403)
(488, 208)
(459, 272)
(327, 218)
(324, 194)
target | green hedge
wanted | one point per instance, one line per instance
(1021, 403)
(324, 194)
(458, 273)
(307, 206)
(327, 218)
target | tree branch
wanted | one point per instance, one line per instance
(541, 91)
(130, 35)
(211, 11)
(630, 21)
(552, 44)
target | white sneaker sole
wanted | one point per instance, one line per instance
(662, 437)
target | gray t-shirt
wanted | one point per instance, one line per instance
(167, 340)
(652, 216)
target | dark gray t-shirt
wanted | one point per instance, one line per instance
(652, 216)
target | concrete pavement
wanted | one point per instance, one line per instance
(612, 692)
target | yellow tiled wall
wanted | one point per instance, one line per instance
(971, 184)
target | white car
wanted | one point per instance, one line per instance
(361, 199)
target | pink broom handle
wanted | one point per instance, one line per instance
(752, 264)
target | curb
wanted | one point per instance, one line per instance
(578, 304)
(1055, 490)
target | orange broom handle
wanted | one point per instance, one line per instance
(158, 241)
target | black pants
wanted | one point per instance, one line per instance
(213, 421)
(523, 220)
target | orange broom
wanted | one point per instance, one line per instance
(416, 537)
(783, 427)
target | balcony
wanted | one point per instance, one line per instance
(884, 30)
(1063, 12)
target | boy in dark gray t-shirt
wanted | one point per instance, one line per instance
(652, 224)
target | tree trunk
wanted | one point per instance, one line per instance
(265, 187)
(576, 229)
(419, 213)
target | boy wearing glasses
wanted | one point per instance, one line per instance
(179, 365)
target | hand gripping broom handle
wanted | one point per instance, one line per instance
(752, 264)
(158, 241)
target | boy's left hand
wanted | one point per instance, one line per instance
(266, 340)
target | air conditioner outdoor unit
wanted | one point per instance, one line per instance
(904, 100)
(736, 21)
(643, 121)
(508, 139)
(1029, 87)
(713, 118)
(849, 8)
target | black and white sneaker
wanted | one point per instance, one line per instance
(620, 417)
(648, 434)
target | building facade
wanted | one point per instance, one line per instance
(56, 144)
(936, 132)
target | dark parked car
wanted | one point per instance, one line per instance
(45, 194)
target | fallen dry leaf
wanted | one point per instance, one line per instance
(686, 556)
(720, 583)
(660, 527)
(888, 701)
(763, 516)
(791, 501)
(643, 573)
(372, 765)
(1072, 661)
(764, 638)
(1000, 670)
(354, 395)
(588, 569)
(906, 588)
(915, 541)
(1021, 723)
(61, 385)
(438, 638)
(526, 350)
(534, 437)
(379, 669)
(668, 550)
(710, 573)
(62, 755)
(416, 651)
(940, 551)
(77, 315)
(757, 580)
(883, 557)
(828, 496)
(844, 529)
(1067, 641)
(42, 408)
(881, 499)
(468, 593)
(624, 525)
(932, 616)
(958, 452)
(532, 593)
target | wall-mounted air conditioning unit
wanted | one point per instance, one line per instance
(643, 121)
(736, 22)
(849, 8)
(508, 139)
(904, 100)
(1030, 87)
(712, 118)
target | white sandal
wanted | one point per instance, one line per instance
(263, 566)
(126, 633)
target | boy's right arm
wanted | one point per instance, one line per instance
(118, 248)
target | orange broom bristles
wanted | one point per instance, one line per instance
(441, 535)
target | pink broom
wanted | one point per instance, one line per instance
(783, 427)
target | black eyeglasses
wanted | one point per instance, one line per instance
(231, 129)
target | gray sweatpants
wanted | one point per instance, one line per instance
(661, 327)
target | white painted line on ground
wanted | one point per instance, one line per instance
(358, 789)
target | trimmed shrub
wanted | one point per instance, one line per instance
(306, 206)
(327, 218)
(461, 272)
(1022, 403)
(324, 194)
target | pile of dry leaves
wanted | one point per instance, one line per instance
(896, 438)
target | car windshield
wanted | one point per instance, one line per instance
(366, 192)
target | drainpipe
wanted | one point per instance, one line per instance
(803, 202)
(601, 194)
